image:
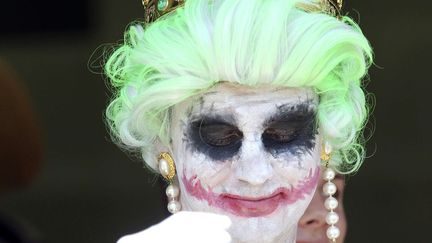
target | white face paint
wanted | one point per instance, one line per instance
(251, 154)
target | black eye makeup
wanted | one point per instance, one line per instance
(292, 129)
(216, 137)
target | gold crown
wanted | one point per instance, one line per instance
(330, 7)
(156, 8)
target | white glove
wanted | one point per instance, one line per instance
(187, 227)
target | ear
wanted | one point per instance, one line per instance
(161, 147)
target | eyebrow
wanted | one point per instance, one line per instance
(293, 112)
(211, 118)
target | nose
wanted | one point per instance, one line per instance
(253, 166)
(314, 216)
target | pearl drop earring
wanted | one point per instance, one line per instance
(329, 189)
(167, 169)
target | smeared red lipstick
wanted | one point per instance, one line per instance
(253, 207)
(245, 206)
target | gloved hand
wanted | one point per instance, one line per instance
(188, 227)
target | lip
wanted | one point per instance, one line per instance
(254, 206)
(246, 206)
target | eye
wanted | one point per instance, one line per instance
(280, 132)
(219, 134)
(215, 137)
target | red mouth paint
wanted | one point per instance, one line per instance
(253, 206)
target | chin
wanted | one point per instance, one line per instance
(265, 229)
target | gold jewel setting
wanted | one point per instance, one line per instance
(166, 166)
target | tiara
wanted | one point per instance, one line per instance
(153, 9)
(157, 8)
(330, 7)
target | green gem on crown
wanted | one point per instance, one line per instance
(162, 5)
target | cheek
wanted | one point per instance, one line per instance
(293, 168)
(194, 164)
(191, 163)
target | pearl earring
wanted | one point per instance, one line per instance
(167, 170)
(329, 190)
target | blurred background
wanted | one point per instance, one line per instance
(82, 188)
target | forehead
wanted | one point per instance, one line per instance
(234, 99)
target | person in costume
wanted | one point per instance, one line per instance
(238, 104)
